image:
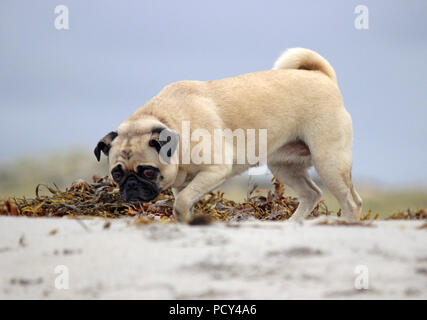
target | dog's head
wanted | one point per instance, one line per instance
(141, 158)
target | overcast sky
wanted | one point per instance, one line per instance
(65, 88)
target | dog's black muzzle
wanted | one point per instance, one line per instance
(135, 189)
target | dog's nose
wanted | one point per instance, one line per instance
(132, 183)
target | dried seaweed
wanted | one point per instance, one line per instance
(409, 215)
(102, 199)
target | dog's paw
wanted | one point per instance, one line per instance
(181, 211)
(181, 216)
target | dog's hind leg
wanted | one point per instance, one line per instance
(337, 180)
(334, 168)
(330, 139)
(295, 175)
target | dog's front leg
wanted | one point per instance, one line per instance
(204, 182)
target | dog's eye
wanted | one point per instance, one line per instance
(147, 172)
(117, 176)
(117, 173)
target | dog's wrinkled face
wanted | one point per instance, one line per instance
(137, 186)
(139, 159)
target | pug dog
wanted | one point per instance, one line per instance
(299, 105)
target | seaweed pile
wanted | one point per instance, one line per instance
(98, 199)
(101, 198)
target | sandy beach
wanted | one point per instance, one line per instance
(47, 258)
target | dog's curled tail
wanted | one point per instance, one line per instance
(305, 59)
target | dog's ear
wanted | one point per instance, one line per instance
(104, 144)
(165, 141)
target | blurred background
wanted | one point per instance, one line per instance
(62, 90)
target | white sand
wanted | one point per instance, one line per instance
(250, 260)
